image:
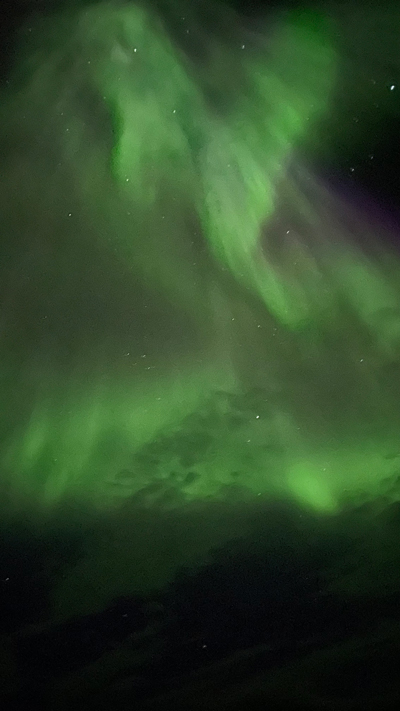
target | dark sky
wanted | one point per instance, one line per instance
(291, 580)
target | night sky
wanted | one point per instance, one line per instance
(199, 355)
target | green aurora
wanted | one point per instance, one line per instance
(144, 295)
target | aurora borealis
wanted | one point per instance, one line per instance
(191, 311)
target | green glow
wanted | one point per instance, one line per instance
(246, 158)
(230, 167)
(128, 150)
